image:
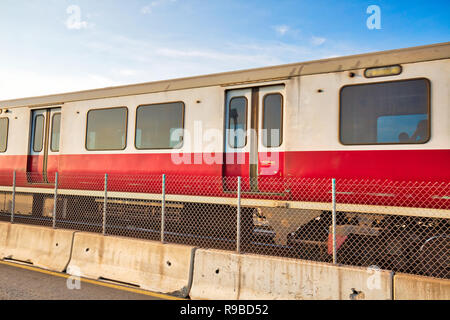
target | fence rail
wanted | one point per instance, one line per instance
(401, 226)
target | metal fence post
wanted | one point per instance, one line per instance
(238, 222)
(105, 202)
(163, 207)
(55, 200)
(13, 203)
(333, 182)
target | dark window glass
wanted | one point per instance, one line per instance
(107, 129)
(272, 120)
(56, 128)
(386, 112)
(4, 122)
(237, 124)
(160, 126)
(38, 133)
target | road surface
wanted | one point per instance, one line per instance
(23, 282)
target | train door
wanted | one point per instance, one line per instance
(253, 137)
(44, 145)
(270, 140)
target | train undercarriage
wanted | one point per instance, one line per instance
(417, 245)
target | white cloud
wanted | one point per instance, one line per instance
(128, 60)
(205, 54)
(160, 59)
(282, 30)
(23, 83)
(151, 55)
(146, 9)
(126, 72)
(331, 56)
(149, 8)
(317, 41)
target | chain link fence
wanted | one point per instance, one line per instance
(399, 226)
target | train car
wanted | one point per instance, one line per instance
(382, 115)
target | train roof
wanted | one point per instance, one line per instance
(367, 60)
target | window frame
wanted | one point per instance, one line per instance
(34, 133)
(428, 84)
(126, 129)
(246, 122)
(281, 118)
(7, 134)
(51, 132)
(183, 105)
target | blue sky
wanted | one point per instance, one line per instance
(46, 49)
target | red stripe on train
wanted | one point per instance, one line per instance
(406, 165)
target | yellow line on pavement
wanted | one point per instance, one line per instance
(95, 282)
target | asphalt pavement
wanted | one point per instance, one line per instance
(22, 282)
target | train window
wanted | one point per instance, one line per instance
(237, 122)
(107, 129)
(56, 128)
(38, 133)
(160, 126)
(4, 123)
(394, 112)
(272, 120)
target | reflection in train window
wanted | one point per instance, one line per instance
(402, 128)
(56, 128)
(4, 122)
(272, 120)
(107, 129)
(395, 112)
(38, 133)
(160, 126)
(237, 122)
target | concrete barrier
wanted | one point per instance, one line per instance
(411, 287)
(229, 276)
(46, 248)
(150, 265)
(3, 233)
